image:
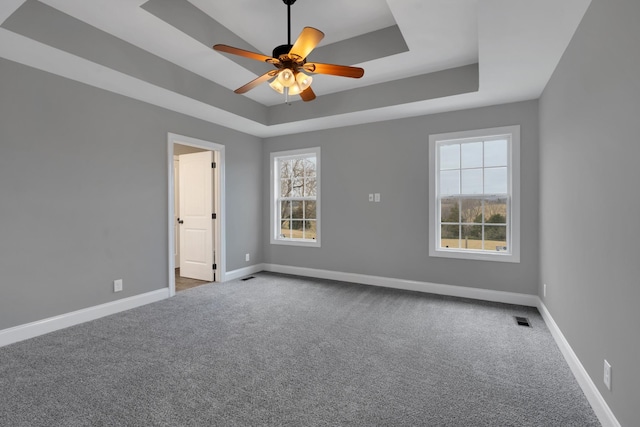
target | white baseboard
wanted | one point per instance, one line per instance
(41, 327)
(410, 285)
(244, 271)
(600, 407)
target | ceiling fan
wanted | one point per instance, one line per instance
(290, 62)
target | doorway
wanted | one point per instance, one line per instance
(196, 207)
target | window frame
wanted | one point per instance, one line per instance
(513, 208)
(275, 219)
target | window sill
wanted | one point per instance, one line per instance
(292, 242)
(476, 256)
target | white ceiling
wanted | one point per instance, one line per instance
(517, 44)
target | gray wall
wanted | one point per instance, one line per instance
(590, 202)
(83, 194)
(390, 238)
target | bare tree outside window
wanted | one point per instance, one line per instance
(297, 196)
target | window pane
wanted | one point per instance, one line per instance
(298, 168)
(310, 230)
(310, 187)
(285, 168)
(285, 229)
(495, 153)
(471, 237)
(449, 236)
(285, 188)
(495, 237)
(471, 155)
(472, 181)
(296, 183)
(495, 211)
(285, 210)
(471, 210)
(297, 187)
(449, 210)
(449, 156)
(450, 182)
(310, 210)
(495, 181)
(297, 229)
(297, 211)
(471, 198)
(310, 166)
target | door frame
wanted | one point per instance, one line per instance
(176, 189)
(219, 204)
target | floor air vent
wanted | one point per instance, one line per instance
(248, 278)
(523, 321)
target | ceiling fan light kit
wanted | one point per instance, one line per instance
(290, 60)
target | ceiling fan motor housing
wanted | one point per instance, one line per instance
(283, 49)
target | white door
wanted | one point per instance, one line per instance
(196, 209)
(176, 210)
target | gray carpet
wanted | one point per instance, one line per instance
(283, 350)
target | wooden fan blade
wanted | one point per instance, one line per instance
(307, 94)
(241, 52)
(307, 41)
(334, 70)
(255, 82)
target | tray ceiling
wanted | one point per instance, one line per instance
(420, 56)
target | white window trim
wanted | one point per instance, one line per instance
(274, 227)
(514, 166)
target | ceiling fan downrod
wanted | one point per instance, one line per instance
(289, 3)
(285, 48)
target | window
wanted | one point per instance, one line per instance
(295, 197)
(474, 201)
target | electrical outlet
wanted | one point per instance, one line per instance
(377, 197)
(247, 257)
(544, 290)
(607, 374)
(117, 285)
(371, 197)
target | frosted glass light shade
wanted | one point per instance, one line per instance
(296, 82)
(304, 81)
(286, 77)
(277, 86)
(295, 89)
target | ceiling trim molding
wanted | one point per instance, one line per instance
(120, 46)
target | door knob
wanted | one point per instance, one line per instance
(180, 221)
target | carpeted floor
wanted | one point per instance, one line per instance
(284, 350)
